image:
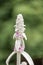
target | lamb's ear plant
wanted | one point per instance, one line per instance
(19, 47)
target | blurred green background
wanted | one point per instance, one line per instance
(32, 11)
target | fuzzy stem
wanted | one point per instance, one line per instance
(18, 58)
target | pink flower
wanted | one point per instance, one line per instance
(21, 49)
(19, 35)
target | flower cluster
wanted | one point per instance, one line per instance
(19, 23)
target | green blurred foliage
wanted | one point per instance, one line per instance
(32, 11)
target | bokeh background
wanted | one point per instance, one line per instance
(32, 11)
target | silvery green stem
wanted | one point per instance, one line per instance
(18, 58)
